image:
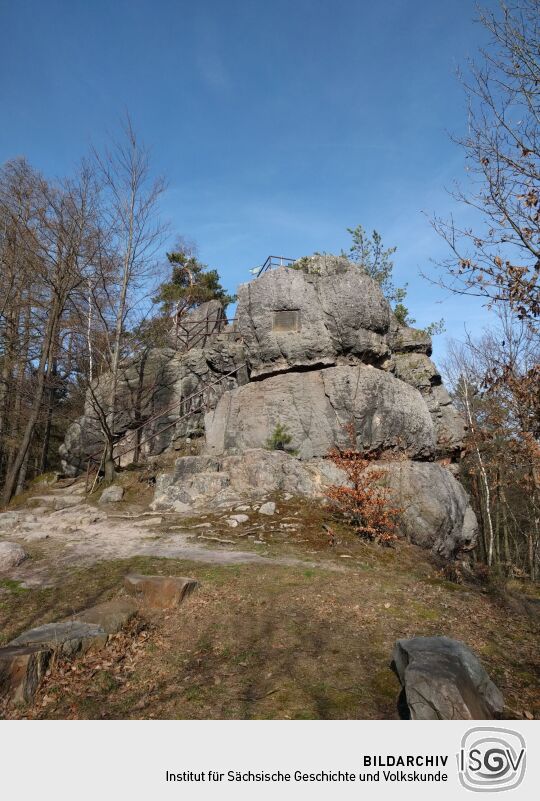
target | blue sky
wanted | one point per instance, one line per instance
(278, 124)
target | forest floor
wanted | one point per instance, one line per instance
(284, 623)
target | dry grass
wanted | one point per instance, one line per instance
(272, 641)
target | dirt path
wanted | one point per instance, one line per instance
(81, 534)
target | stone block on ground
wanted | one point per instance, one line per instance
(9, 520)
(161, 592)
(267, 508)
(66, 638)
(11, 555)
(443, 680)
(112, 494)
(111, 616)
(21, 670)
(239, 518)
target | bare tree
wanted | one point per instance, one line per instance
(495, 381)
(496, 256)
(53, 242)
(132, 235)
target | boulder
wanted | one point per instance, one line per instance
(22, 668)
(316, 407)
(66, 638)
(111, 616)
(112, 494)
(294, 319)
(436, 513)
(268, 508)
(443, 680)
(239, 518)
(11, 555)
(161, 592)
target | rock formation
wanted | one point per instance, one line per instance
(317, 351)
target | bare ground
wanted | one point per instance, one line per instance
(283, 626)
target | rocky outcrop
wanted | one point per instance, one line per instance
(443, 680)
(316, 352)
(418, 370)
(436, 512)
(204, 481)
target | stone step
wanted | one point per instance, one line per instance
(160, 592)
(66, 638)
(55, 502)
(111, 616)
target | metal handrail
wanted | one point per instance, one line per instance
(275, 261)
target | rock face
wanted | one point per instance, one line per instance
(182, 383)
(316, 407)
(443, 680)
(435, 508)
(199, 481)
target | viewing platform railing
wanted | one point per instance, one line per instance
(272, 262)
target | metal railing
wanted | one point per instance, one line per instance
(272, 262)
(92, 459)
(194, 333)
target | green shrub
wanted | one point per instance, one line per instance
(279, 440)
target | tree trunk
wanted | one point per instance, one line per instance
(13, 473)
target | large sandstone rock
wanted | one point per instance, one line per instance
(418, 370)
(317, 406)
(194, 329)
(252, 474)
(443, 680)
(11, 555)
(293, 319)
(436, 510)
